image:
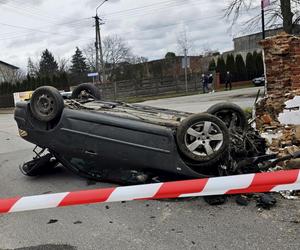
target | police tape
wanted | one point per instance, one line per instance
(239, 184)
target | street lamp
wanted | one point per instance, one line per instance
(100, 6)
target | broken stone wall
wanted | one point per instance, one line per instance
(282, 59)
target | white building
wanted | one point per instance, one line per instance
(7, 72)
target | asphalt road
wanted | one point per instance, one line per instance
(188, 224)
(200, 103)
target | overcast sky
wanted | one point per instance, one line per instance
(150, 27)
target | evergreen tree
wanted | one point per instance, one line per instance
(221, 68)
(260, 64)
(240, 68)
(79, 65)
(170, 55)
(251, 66)
(255, 59)
(48, 65)
(230, 66)
(212, 65)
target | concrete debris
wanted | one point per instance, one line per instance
(290, 195)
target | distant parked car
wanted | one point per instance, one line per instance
(259, 81)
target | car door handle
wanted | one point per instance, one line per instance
(90, 152)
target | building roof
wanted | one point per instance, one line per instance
(9, 65)
(296, 30)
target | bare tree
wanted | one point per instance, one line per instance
(115, 52)
(183, 42)
(33, 67)
(90, 55)
(138, 59)
(280, 11)
(63, 64)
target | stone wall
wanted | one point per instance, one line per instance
(282, 59)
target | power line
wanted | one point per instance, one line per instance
(153, 9)
(31, 9)
(174, 24)
(32, 29)
(38, 29)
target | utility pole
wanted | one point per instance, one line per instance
(103, 75)
(97, 27)
(264, 4)
(263, 19)
(100, 67)
(185, 69)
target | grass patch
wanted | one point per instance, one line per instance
(136, 99)
(164, 96)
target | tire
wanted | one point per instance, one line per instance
(226, 111)
(203, 139)
(91, 89)
(46, 104)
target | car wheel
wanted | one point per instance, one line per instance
(46, 104)
(86, 90)
(203, 138)
(231, 114)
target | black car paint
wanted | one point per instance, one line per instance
(103, 142)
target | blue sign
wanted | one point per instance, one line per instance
(92, 74)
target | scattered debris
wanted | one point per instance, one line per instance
(266, 201)
(52, 221)
(290, 195)
(215, 200)
(242, 200)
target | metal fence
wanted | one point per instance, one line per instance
(6, 101)
(124, 90)
(149, 87)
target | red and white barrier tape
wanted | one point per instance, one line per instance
(239, 184)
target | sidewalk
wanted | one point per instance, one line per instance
(7, 110)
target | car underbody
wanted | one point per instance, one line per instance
(129, 143)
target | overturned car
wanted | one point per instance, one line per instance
(130, 143)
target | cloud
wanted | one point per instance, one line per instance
(28, 2)
(150, 27)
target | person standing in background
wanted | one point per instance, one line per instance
(228, 81)
(211, 84)
(205, 83)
